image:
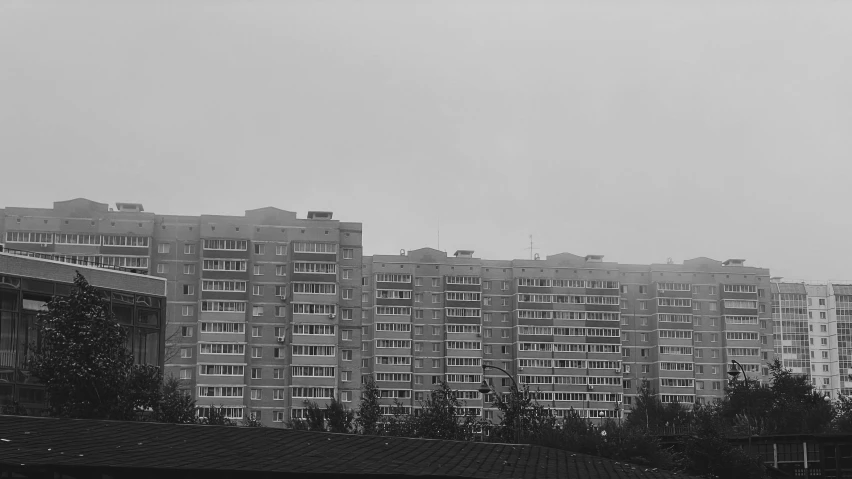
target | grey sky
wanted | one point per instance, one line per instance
(636, 130)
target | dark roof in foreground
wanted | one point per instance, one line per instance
(39, 442)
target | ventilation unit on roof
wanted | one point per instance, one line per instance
(320, 215)
(733, 262)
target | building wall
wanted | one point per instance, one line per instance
(582, 333)
(253, 362)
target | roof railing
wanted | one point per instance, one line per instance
(69, 259)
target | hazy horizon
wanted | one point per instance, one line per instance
(666, 129)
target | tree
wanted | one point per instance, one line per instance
(790, 404)
(369, 410)
(216, 416)
(522, 417)
(83, 362)
(338, 417)
(441, 416)
(651, 414)
(175, 406)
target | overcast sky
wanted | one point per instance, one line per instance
(639, 130)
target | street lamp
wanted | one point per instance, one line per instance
(485, 388)
(734, 375)
(617, 410)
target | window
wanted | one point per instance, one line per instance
(712, 306)
(186, 373)
(825, 368)
(189, 269)
(436, 347)
(823, 341)
(826, 381)
(187, 310)
(418, 330)
(280, 270)
(644, 337)
(504, 333)
(347, 274)
(436, 298)
(822, 302)
(186, 331)
(643, 305)
(646, 369)
(162, 268)
(347, 293)
(259, 248)
(346, 335)
(504, 285)
(255, 373)
(280, 250)
(712, 290)
(436, 315)
(256, 352)
(486, 301)
(255, 331)
(256, 394)
(188, 289)
(486, 285)
(223, 285)
(164, 248)
(436, 282)
(346, 376)
(189, 249)
(257, 290)
(348, 253)
(257, 270)
(822, 313)
(346, 355)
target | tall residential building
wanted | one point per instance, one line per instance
(812, 324)
(263, 309)
(580, 331)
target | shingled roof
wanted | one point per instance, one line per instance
(43, 444)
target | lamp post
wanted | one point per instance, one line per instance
(734, 374)
(617, 410)
(485, 388)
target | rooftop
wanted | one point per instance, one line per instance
(38, 444)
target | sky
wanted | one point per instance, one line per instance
(641, 131)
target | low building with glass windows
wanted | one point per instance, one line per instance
(28, 282)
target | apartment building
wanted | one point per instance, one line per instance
(27, 284)
(581, 332)
(812, 328)
(263, 310)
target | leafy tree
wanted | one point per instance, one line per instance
(790, 404)
(440, 416)
(83, 362)
(216, 416)
(252, 421)
(175, 405)
(369, 411)
(521, 416)
(651, 414)
(338, 417)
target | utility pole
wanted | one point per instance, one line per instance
(531, 248)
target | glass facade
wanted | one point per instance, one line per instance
(790, 330)
(21, 299)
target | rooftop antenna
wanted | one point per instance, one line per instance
(669, 261)
(531, 248)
